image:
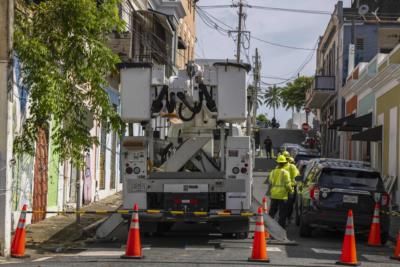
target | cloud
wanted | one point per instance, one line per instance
(294, 29)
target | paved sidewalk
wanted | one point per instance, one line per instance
(61, 231)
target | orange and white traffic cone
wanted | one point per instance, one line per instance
(396, 255)
(18, 242)
(265, 204)
(374, 238)
(349, 253)
(133, 245)
(265, 209)
(259, 251)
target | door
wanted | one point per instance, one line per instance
(40, 177)
(87, 181)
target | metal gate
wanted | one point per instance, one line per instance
(40, 177)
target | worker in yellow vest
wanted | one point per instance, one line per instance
(280, 188)
(294, 172)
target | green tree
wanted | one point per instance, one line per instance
(272, 98)
(263, 120)
(293, 95)
(62, 45)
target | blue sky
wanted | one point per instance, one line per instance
(293, 29)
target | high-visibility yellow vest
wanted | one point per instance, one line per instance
(279, 181)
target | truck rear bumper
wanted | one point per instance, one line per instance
(222, 223)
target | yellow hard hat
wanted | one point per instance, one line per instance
(281, 159)
(286, 154)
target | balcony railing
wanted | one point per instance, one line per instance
(322, 88)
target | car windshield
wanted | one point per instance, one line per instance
(305, 157)
(350, 178)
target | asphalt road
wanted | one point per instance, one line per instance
(199, 248)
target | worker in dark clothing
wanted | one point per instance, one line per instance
(268, 147)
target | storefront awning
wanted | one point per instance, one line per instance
(350, 128)
(364, 121)
(340, 122)
(370, 135)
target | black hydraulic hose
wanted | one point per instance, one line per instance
(183, 117)
(157, 104)
(171, 103)
(182, 97)
(210, 103)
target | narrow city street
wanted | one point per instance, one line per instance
(174, 132)
(183, 248)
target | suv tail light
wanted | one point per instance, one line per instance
(314, 193)
(385, 200)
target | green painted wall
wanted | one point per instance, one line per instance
(383, 105)
(366, 104)
(53, 176)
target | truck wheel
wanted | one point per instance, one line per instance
(384, 237)
(297, 214)
(227, 235)
(243, 235)
(305, 229)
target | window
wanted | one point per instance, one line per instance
(360, 44)
(113, 159)
(103, 145)
(350, 178)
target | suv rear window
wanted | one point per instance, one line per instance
(350, 178)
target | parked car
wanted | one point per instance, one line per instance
(293, 149)
(331, 187)
(306, 155)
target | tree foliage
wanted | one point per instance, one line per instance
(272, 98)
(293, 95)
(65, 61)
(263, 121)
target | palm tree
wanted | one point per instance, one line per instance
(272, 98)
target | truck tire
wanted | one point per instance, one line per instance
(243, 235)
(384, 237)
(305, 229)
(297, 214)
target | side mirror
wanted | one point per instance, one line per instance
(298, 178)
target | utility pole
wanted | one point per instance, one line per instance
(257, 80)
(239, 37)
(253, 93)
(6, 133)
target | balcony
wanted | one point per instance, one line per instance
(170, 7)
(322, 88)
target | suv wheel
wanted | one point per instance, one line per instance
(305, 229)
(384, 237)
(297, 214)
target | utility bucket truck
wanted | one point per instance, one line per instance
(187, 159)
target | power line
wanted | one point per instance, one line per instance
(214, 22)
(304, 11)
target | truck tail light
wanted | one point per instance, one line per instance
(186, 201)
(385, 200)
(314, 193)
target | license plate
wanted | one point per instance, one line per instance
(350, 199)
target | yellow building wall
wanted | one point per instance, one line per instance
(187, 31)
(383, 105)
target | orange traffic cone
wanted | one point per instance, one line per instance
(259, 252)
(18, 243)
(349, 253)
(265, 208)
(396, 255)
(265, 204)
(374, 238)
(133, 245)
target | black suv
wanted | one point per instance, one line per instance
(332, 187)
